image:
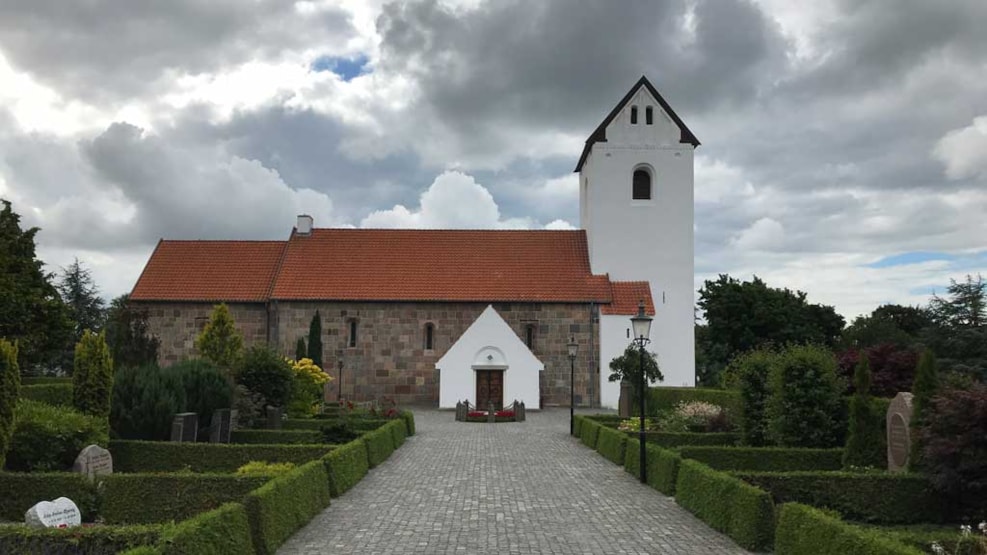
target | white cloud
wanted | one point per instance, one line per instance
(964, 151)
(764, 234)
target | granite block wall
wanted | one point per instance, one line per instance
(178, 324)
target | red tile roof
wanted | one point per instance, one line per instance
(209, 271)
(627, 295)
(439, 265)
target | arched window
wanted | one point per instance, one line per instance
(633, 115)
(642, 185)
(352, 338)
(529, 336)
(429, 336)
(649, 115)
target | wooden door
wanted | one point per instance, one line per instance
(489, 389)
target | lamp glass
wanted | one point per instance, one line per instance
(641, 323)
(573, 347)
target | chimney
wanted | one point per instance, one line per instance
(304, 225)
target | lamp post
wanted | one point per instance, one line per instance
(642, 330)
(339, 376)
(573, 349)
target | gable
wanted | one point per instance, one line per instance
(490, 342)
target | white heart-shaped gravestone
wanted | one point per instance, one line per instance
(60, 513)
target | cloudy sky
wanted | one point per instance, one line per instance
(844, 143)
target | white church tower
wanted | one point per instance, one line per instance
(636, 205)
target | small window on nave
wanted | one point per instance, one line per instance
(429, 336)
(649, 115)
(529, 336)
(352, 338)
(633, 115)
(641, 185)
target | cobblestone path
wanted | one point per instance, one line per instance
(463, 488)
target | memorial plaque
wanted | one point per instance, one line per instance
(185, 427)
(60, 513)
(898, 424)
(93, 461)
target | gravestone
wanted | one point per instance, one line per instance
(898, 422)
(60, 513)
(459, 411)
(185, 427)
(519, 415)
(222, 424)
(93, 461)
(274, 415)
(624, 403)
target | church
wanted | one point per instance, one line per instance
(432, 317)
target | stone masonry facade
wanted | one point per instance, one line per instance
(389, 358)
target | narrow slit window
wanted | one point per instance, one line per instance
(633, 115)
(642, 185)
(529, 336)
(352, 341)
(649, 115)
(429, 336)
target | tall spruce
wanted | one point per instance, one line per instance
(315, 340)
(10, 385)
(865, 444)
(300, 350)
(220, 342)
(923, 390)
(81, 296)
(92, 377)
(128, 333)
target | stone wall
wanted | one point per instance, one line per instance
(178, 324)
(390, 358)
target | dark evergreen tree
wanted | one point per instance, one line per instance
(865, 445)
(300, 350)
(315, 340)
(923, 390)
(10, 384)
(128, 335)
(627, 367)
(749, 373)
(92, 377)
(81, 297)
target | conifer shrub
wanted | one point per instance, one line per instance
(749, 373)
(315, 340)
(10, 383)
(92, 375)
(220, 342)
(300, 350)
(865, 445)
(47, 437)
(805, 406)
(145, 401)
(207, 389)
(923, 389)
(264, 372)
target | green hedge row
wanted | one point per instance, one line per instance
(152, 498)
(19, 491)
(577, 424)
(44, 380)
(665, 398)
(380, 445)
(611, 444)
(589, 431)
(280, 507)
(270, 437)
(398, 432)
(764, 458)
(346, 466)
(58, 394)
(741, 511)
(804, 530)
(880, 498)
(166, 456)
(409, 421)
(674, 439)
(95, 540)
(663, 465)
(224, 530)
(355, 424)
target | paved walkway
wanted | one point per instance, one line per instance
(463, 488)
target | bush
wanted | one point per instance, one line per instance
(923, 390)
(804, 406)
(45, 380)
(224, 530)
(254, 468)
(163, 456)
(264, 372)
(803, 530)
(954, 442)
(285, 504)
(220, 342)
(150, 498)
(58, 394)
(870, 497)
(338, 432)
(780, 459)
(892, 368)
(749, 375)
(694, 416)
(662, 399)
(47, 437)
(380, 445)
(92, 375)
(207, 389)
(611, 444)
(10, 385)
(589, 432)
(271, 437)
(22, 490)
(865, 444)
(670, 439)
(346, 466)
(96, 540)
(144, 402)
(741, 511)
(409, 421)
(663, 465)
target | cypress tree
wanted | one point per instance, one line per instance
(10, 385)
(92, 377)
(865, 444)
(300, 351)
(315, 340)
(924, 388)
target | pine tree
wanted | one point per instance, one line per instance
(92, 377)
(81, 296)
(220, 342)
(315, 340)
(10, 385)
(865, 444)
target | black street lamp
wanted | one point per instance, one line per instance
(573, 349)
(339, 376)
(642, 330)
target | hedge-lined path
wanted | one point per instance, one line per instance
(463, 488)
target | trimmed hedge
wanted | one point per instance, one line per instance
(355, 424)
(881, 498)
(675, 439)
(95, 540)
(589, 432)
(398, 432)
(346, 466)
(380, 445)
(272, 437)
(577, 424)
(280, 507)
(58, 394)
(764, 458)
(665, 398)
(166, 456)
(409, 421)
(151, 498)
(804, 530)
(741, 511)
(44, 380)
(223, 530)
(611, 444)
(663, 465)
(21, 491)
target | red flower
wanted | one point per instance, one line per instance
(505, 413)
(476, 414)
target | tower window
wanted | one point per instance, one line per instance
(642, 185)
(529, 336)
(633, 115)
(649, 115)
(429, 336)
(352, 339)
